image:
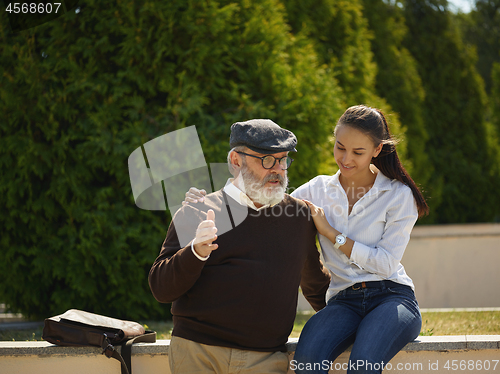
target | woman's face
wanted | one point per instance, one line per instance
(353, 151)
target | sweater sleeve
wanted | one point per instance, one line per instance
(315, 277)
(176, 269)
(315, 280)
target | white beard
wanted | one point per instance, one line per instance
(255, 190)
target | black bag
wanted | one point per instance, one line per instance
(79, 328)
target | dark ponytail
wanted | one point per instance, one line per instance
(372, 122)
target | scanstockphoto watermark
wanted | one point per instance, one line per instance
(323, 196)
(429, 366)
(290, 210)
(358, 365)
(331, 211)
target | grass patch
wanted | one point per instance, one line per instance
(163, 329)
(433, 323)
(21, 335)
(298, 325)
(440, 323)
(461, 323)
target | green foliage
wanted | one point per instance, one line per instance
(494, 130)
(82, 92)
(481, 29)
(455, 104)
(398, 81)
(342, 41)
(67, 128)
(495, 97)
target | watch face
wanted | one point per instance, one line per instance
(341, 239)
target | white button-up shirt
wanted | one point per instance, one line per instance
(380, 224)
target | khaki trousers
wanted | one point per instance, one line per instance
(187, 357)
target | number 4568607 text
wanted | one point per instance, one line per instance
(471, 365)
(33, 7)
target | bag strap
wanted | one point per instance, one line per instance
(126, 357)
(148, 337)
(110, 351)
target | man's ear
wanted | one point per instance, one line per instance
(236, 162)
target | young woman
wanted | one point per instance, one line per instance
(364, 215)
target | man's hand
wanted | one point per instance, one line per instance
(194, 195)
(205, 235)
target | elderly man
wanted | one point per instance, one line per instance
(234, 294)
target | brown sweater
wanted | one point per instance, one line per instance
(245, 295)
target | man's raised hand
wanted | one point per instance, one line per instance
(205, 235)
(194, 195)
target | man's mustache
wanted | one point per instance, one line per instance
(274, 178)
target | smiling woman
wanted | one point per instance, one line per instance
(371, 301)
(367, 139)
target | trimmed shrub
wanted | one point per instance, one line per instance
(80, 93)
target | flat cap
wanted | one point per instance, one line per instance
(262, 136)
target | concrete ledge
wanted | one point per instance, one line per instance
(456, 230)
(44, 348)
(440, 343)
(426, 354)
(161, 347)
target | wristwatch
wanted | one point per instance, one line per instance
(340, 239)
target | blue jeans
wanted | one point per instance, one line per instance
(378, 322)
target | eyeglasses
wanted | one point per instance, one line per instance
(269, 161)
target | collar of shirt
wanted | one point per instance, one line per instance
(382, 183)
(238, 195)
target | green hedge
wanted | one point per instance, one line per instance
(80, 93)
(399, 82)
(454, 111)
